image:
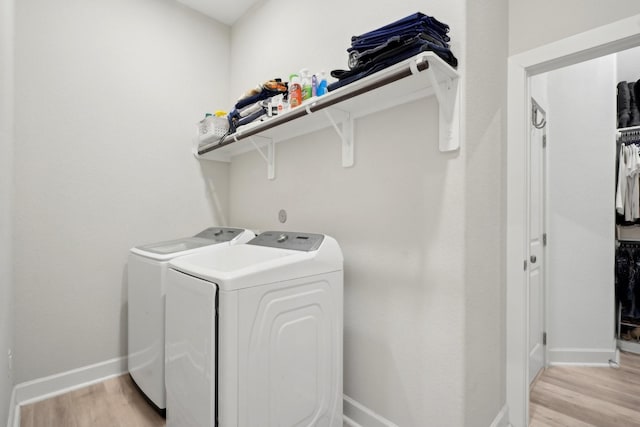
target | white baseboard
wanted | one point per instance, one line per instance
(44, 388)
(356, 414)
(502, 419)
(583, 356)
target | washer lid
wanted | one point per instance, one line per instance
(207, 237)
(175, 246)
(248, 265)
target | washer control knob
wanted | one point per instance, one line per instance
(282, 238)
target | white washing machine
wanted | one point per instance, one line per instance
(147, 267)
(254, 334)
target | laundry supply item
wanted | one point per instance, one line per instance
(276, 106)
(392, 43)
(305, 84)
(220, 123)
(322, 84)
(314, 85)
(295, 91)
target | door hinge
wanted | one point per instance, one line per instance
(525, 265)
(544, 338)
(544, 141)
(544, 239)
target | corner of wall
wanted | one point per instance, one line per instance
(6, 197)
(484, 122)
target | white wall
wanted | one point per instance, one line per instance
(398, 213)
(303, 39)
(534, 24)
(581, 173)
(6, 193)
(485, 144)
(108, 93)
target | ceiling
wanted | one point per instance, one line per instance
(225, 11)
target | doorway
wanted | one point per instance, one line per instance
(601, 41)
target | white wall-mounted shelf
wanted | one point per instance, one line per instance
(420, 76)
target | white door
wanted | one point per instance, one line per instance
(536, 262)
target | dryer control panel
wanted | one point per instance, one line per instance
(288, 240)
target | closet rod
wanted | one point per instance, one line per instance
(628, 129)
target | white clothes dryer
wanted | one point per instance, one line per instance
(254, 334)
(147, 266)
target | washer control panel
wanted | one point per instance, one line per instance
(220, 234)
(288, 240)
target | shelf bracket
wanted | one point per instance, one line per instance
(448, 95)
(270, 155)
(346, 136)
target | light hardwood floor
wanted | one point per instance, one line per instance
(112, 403)
(561, 397)
(566, 396)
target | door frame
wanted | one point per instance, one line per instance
(601, 41)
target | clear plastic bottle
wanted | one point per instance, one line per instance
(295, 91)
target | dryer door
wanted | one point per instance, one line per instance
(190, 351)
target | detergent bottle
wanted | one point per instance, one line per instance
(305, 82)
(295, 91)
(322, 84)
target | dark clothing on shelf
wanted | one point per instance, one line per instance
(345, 77)
(396, 44)
(262, 95)
(392, 43)
(236, 120)
(628, 280)
(409, 24)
